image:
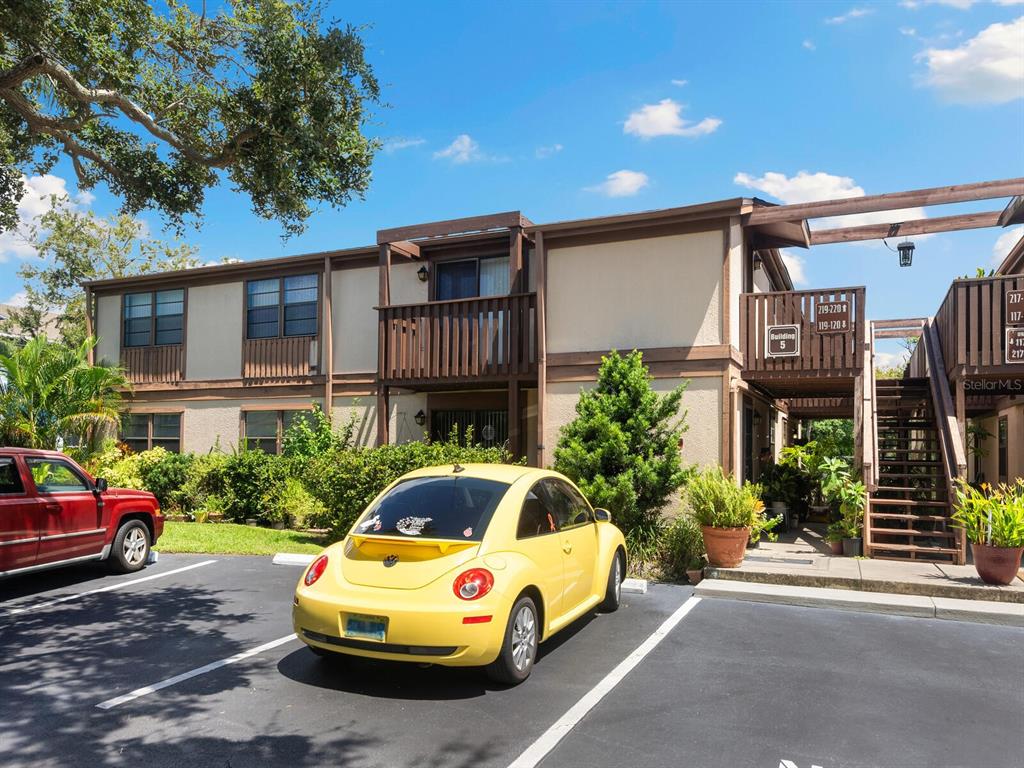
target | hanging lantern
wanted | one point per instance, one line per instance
(906, 251)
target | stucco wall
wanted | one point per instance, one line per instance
(761, 282)
(403, 427)
(406, 287)
(735, 280)
(108, 329)
(702, 401)
(214, 332)
(654, 292)
(364, 410)
(989, 464)
(354, 294)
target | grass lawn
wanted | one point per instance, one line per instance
(232, 539)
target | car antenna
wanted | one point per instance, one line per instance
(458, 468)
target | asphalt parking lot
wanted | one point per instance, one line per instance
(730, 684)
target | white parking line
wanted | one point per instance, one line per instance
(145, 690)
(109, 587)
(550, 738)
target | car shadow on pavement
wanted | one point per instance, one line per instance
(14, 587)
(405, 680)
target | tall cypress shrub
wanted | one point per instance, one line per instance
(622, 449)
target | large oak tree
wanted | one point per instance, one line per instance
(163, 104)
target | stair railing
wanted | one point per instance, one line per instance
(951, 444)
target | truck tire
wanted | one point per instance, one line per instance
(130, 549)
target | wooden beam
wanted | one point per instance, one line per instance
(326, 340)
(514, 421)
(957, 193)
(897, 334)
(542, 364)
(405, 248)
(515, 260)
(384, 298)
(1013, 213)
(91, 354)
(454, 226)
(906, 228)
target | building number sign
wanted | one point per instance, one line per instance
(832, 317)
(1015, 345)
(1015, 307)
(782, 341)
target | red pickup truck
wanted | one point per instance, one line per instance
(53, 513)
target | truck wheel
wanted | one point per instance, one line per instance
(130, 550)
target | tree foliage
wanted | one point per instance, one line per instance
(50, 390)
(162, 102)
(75, 246)
(622, 449)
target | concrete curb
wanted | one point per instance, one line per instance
(635, 586)
(289, 558)
(919, 606)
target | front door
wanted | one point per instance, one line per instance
(19, 519)
(578, 537)
(71, 524)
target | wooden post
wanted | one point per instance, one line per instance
(384, 298)
(514, 431)
(89, 324)
(326, 340)
(961, 407)
(542, 364)
(515, 260)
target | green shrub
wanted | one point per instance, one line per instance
(682, 546)
(346, 481)
(314, 436)
(991, 515)
(200, 493)
(297, 507)
(248, 481)
(718, 502)
(165, 474)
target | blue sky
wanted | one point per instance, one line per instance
(576, 109)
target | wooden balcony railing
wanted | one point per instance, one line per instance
(825, 337)
(287, 357)
(976, 321)
(153, 365)
(467, 339)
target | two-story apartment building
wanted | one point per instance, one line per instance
(492, 321)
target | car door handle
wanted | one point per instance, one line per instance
(567, 548)
(52, 507)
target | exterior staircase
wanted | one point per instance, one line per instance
(910, 504)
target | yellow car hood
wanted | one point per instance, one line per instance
(399, 563)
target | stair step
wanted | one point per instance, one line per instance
(900, 516)
(911, 533)
(915, 548)
(910, 462)
(908, 503)
(907, 450)
(909, 489)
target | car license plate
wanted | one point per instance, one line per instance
(365, 627)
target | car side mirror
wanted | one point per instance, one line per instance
(602, 515)
(101, 484)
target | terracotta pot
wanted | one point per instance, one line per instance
(996, 565)
(836, 547)
(695, 575)
(725, 546)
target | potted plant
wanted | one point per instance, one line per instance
(782, 486)
(726, 513)
(850, 498)
(993, 521)
(834, 538)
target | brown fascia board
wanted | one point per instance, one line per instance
(468, 224)
(777, 269)
(719, 209)
(232, 269)
(1013, 264)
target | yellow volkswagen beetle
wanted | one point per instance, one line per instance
(463, 566)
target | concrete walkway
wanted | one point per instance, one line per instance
(802, 559)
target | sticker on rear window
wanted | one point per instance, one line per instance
(468, 532)
(373, 522)
(412, 526)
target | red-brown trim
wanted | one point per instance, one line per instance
(542, 361)
(453, 227)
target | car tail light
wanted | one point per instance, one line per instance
(316, 570)
(473, 584)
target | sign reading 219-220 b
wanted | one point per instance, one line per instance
(782, 341)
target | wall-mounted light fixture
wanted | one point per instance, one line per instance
(423, 273)
(420, 418)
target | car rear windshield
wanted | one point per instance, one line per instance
(435, 508)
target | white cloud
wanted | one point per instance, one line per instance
(795, 264)
(679, 83)
(908, 31)
(664, 119)
(807, 187)
(462, 150)
(987, 69)
(1004, 243)
(1009, 2)
(545, 152)
(394, 145)
(889, 359)
(621, 184)
(962, 5)
(809, 45)
(40, 193)
(853, 13)
(20, 299)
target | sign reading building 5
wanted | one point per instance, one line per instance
(782, 341)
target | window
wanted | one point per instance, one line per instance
(281, 307)
(10, 478)
(55, 476)
(535, 519)
(142, 431)
(1004, 435)
(154, 318)
(568, 506)
(469, 278)
(435, 508)
(265, 430)
(489, 428)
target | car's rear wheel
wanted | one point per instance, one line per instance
(130, 549)
(519, 650)
(613, 593)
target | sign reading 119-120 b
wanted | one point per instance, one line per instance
(782, 341)
(832, 317)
